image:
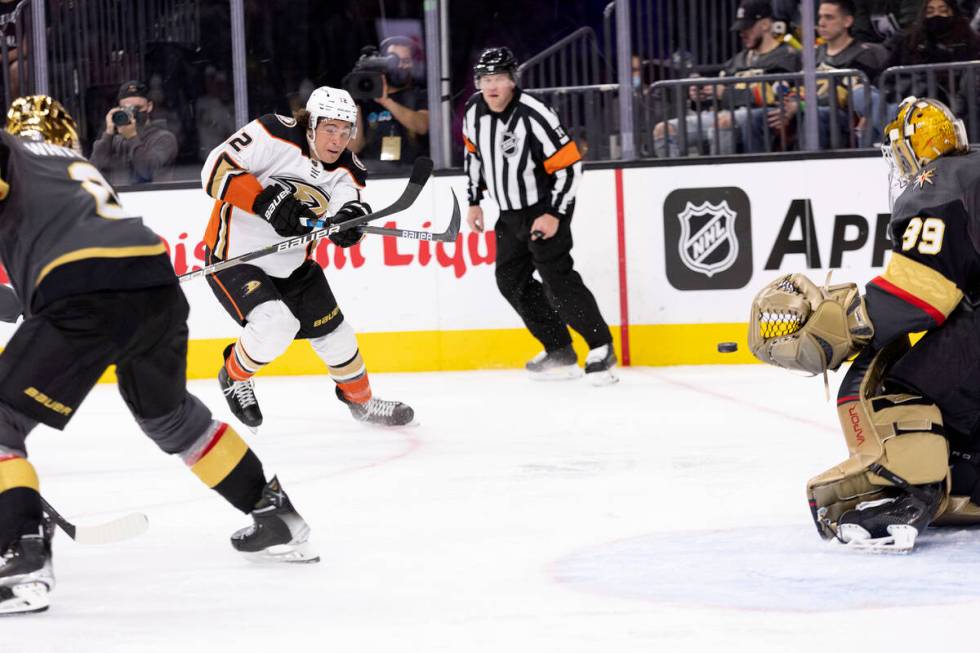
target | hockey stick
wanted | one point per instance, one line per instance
(447, 236)
(117, 530)
(420, 175)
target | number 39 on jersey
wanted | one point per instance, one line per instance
(925, 235)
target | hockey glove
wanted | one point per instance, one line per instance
(349, 237)
(278, 207)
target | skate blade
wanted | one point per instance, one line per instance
(899, 541)
(600, 379)
(27, 598)
(564, 373)
(302, 553)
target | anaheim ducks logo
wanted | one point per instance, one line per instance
(309, 195)
(251, 287)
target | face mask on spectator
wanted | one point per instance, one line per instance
(938, 25)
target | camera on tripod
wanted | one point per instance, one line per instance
(366, 80)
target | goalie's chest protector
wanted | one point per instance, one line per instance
(280, 155)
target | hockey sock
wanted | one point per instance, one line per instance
(338, 349)
(226, 464)
(239, 364)
(20, 500)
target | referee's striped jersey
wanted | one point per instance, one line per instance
(520, 156)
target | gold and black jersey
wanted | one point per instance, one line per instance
(935, 259)
(64, 232)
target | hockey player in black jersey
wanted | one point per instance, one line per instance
(96, 288)
(269, 181)
(910, 415)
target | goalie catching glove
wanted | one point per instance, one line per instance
(349, 211)
(798, 325)
(286, 214)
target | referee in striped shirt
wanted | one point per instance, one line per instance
(518, 154)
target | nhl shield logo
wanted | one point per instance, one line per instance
(509, 143)
(708, 243)
(708, 238)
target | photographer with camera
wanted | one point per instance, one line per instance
(133, 149)
(393, 121)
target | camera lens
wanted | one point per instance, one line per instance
(120, 118)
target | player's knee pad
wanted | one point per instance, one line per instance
(338, 346)
(269, 329)
(177, 431)
(14, 427)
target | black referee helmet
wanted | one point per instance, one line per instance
(493, 61)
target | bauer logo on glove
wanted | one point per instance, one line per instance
(798, 325)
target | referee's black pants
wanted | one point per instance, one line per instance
(562, 299)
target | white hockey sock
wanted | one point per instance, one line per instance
(338, 349)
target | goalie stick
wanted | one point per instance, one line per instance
(420, 174)
(447, 236)
(117, 530)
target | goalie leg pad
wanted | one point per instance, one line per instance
(897, 446)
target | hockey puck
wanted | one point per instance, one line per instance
(727, 347)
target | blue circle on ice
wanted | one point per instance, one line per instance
(781, 568)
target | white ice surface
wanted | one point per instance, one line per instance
(666, 513)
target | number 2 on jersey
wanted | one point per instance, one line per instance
(106, 202)
(927, 233)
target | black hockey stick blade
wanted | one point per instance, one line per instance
(447, 236)
(116, 530)
(421, 172)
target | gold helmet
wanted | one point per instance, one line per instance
(40, 117)
(924, 130)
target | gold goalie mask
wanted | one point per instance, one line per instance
(798, 325)
(923, 131)
(42, 118)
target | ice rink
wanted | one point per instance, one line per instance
(666, 513)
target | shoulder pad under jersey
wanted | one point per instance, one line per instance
(286, 129)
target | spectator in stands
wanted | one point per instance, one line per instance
(941, 34)
(763, 54)
(215, 112)
(9, 34)
(840, 51)
(392, 131)
(876, 21)
(134, 149)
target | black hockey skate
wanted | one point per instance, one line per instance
(556, 365)
(241, 400)
(379, 411)
(890, 525)
(279, 534)
(26, 576)
(599, 364)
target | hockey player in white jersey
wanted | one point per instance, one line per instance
(268, 179)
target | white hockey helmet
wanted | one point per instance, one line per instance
(331, 103)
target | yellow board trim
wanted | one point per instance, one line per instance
(923, 283)
(481, 349)
(18, 472)
(216, 464)
(100, 252)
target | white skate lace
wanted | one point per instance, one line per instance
(243, 391)
(379, 407)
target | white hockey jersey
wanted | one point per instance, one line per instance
(271, 150)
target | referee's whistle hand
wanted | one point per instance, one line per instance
(547, 224)
(474, 218)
